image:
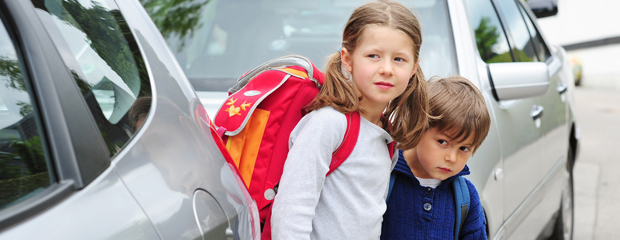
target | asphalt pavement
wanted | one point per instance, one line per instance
(596, 177)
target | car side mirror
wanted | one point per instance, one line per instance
(545, 12)
(518, 80)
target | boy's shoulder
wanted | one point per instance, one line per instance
(473, 192)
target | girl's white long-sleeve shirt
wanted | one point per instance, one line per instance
(347, 204)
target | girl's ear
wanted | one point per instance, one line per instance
(415, 67)
(345, 58)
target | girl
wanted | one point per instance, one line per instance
(377, 73)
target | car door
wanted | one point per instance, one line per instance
(528, 196)
(543, 200)
(555, 127)
(521, 136)
(58, 183)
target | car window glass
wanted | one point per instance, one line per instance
(218, 41)
(490, 35)
(110, 71)
(24, 168)
(523, 48)
(541, 49)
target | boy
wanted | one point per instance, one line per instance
(421, 204)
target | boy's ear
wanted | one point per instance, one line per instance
(345, 57)
(415, 67)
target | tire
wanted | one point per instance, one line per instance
(563, 229)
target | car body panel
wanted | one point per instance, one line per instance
(170, 181)
(102, 210)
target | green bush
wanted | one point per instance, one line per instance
(13, 189)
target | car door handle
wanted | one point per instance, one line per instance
(537, 112)
(562, 88)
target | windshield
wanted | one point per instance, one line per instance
(217, 41)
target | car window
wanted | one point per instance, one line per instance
(490, 35)
(523, 47)
(24, 167)
(218, 41)
(105, 62)
(541, 48)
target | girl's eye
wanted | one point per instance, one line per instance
(442, 142)
(399, 59)
(464, 149)
(373, 56)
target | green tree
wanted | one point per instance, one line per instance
(31, 154)
(105, 37)
(486, 38)
(178, 17)
(10, 68)
(8, 171)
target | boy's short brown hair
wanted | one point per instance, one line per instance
(458, 108)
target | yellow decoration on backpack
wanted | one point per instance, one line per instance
(232, 111)
(244, 105)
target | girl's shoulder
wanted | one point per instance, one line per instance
(326, 111)
(326, 115)
(325, 119)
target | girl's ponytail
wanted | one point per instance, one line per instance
(409, 113)
(337, 91)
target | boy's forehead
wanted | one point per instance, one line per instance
(467, 137)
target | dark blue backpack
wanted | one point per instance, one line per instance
(461, 198)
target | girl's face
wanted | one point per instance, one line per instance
(439, 156)
(381, 65)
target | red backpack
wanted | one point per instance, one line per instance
(256, 121)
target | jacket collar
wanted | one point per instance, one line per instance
(403, 168)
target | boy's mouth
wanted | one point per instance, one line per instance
(446, 170)
(384, 85)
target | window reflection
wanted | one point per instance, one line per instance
(217, 41)
(523, 47)
(23, 166)
(106, 64)
(490, 35)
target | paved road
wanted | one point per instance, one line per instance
(597, 180)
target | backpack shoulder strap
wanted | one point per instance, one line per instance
(462, 200)
(348, 143)
(392, 179)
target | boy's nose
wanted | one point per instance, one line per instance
(451, 156)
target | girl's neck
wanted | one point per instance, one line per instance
(373, 113)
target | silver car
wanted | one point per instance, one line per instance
(523, 169)
(101, 134)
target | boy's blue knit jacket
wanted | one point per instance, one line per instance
(406, 217)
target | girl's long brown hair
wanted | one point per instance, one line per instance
(406, 117)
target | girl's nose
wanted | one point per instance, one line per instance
(386, 69)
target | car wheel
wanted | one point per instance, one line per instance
(564, 223)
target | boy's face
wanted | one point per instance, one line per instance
(439, 156)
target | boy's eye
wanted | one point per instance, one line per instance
(442, 142)
(464, 149)
(373, 56)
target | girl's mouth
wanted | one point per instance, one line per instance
(384, 85)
